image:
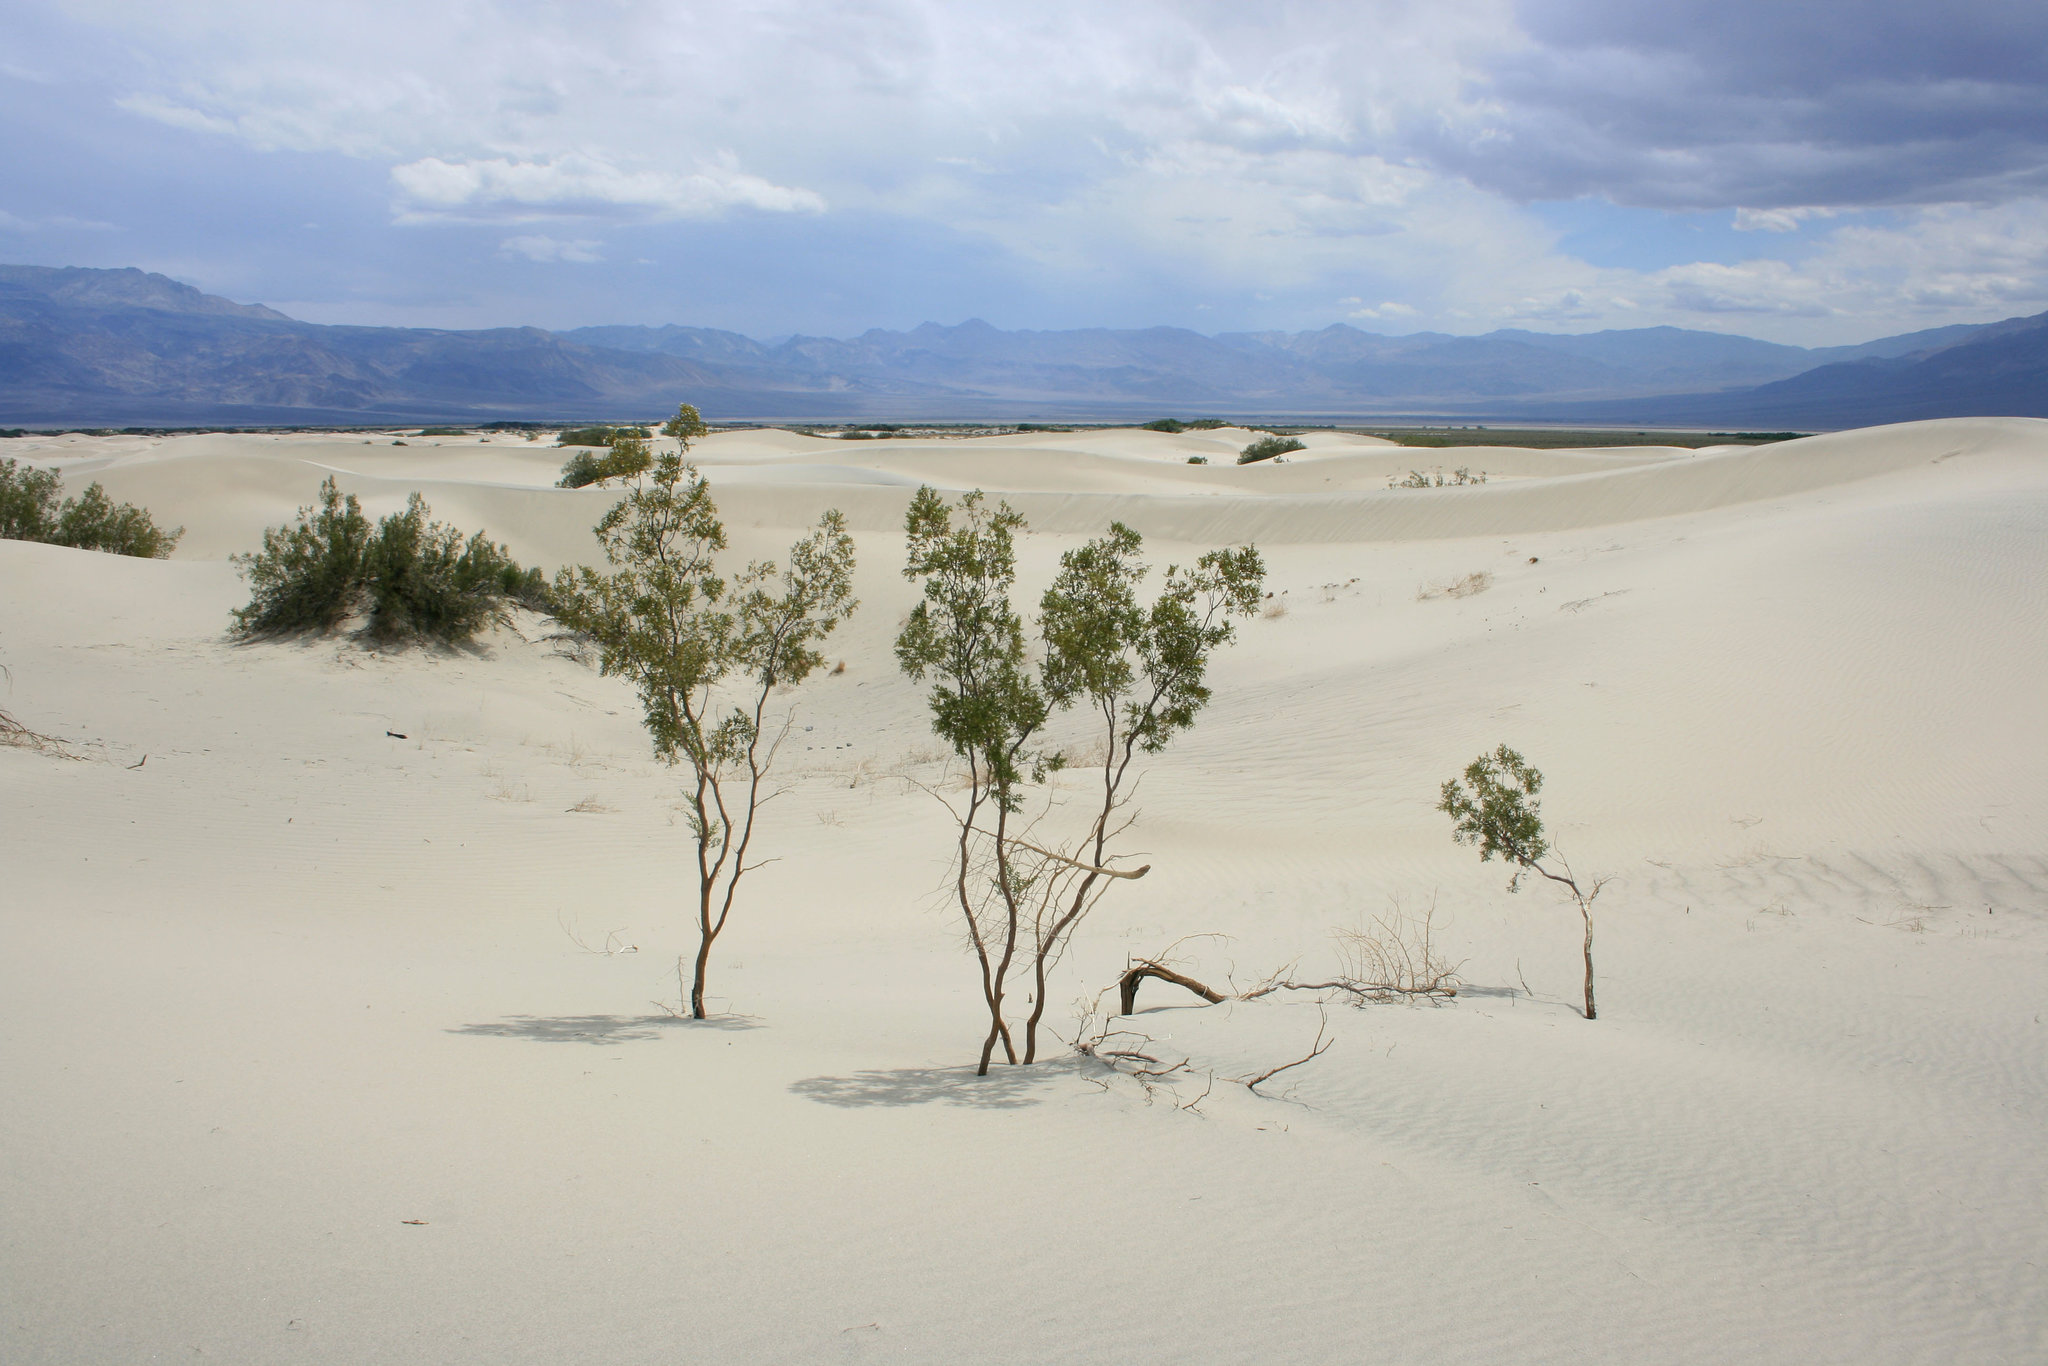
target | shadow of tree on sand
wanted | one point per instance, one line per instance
(1004, 1088)
(596, 1029)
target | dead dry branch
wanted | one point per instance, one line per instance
(1315, 1050)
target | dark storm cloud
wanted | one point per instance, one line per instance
(1762, 103)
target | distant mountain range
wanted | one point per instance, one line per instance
(124, 348)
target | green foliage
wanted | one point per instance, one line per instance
(94, 521)
(1496, 809)
(446, 431)
(28, 502)
(1207, 424)
(968, 637)
(627, 458)
(1147, 664)
(1198, 460)
(426, 582)
(417, 579)
(1164, 424)
(30, 511)
(685, 427)
(1266, 447)
(308, 576)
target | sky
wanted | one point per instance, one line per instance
(1808, 173)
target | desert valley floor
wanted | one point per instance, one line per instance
(335, 1032)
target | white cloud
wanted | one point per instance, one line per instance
(500, 187)
(544, 248)
(14, 222)
(151, 106)
(1778, 220)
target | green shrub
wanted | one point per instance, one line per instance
(94, 521)
(1207, 424)
(417, 579)
(30, 511)
(1164, 424)
(1198, 460)
(1267, 447)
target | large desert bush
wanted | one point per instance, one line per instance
(31, 510)
(414, 578)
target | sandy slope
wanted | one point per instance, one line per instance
(295, 980)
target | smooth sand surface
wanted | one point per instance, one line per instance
(296, 982)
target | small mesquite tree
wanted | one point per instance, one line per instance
(986, 705)
(707, 654)
(1496, 808)
(1139, 670)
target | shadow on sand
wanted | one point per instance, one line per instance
(597, 1029)
(1004, 1088)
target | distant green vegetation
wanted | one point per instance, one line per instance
(597, 436)
(1555, 438)
(415, 579)
(1174, 424)
(1268, 447)
(446, 431)
(31, 510)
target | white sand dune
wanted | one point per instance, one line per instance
(312, 970)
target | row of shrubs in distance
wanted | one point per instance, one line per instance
(1265, 448)
(413, 578)
(32, 508)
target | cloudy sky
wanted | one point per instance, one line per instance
(1807, 172)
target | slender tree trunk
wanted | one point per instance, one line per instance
(1591, 1014)
(1112, 781)
(703, 964)
(706, 880)
(997, 1028)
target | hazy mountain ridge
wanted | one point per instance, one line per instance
(112, 347)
